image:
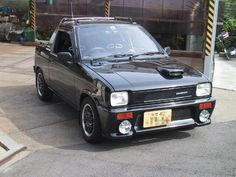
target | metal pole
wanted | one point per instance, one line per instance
(213, 6)
(33, 16)
(107, 8)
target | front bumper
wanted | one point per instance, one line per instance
(185, 114)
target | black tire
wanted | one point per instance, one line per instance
(90, 122)
(44, 93)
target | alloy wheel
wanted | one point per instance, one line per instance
(88, 120)
(40, 84)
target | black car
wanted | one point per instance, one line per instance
(120, 79)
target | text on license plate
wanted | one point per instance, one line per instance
(157, 118)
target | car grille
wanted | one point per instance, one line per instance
(163, 95)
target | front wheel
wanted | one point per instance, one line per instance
(90, 122)
(44, 93)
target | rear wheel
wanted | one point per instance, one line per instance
(89, 121)
(44, 93)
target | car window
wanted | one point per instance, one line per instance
(99, 40)
(63, 43)
(51, 41)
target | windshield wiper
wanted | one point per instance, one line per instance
(119, 55)
(111, 58)
(147, 53)
(107, 58)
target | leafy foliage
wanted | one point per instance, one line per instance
(230, 9)
(45, 33)
(230, 22)
(20, 5)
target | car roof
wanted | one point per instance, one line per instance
(70, 22)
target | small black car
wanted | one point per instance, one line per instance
(120, 79)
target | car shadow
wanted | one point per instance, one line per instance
(54, 124)
(138, 140)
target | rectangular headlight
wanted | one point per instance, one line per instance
(119, 98)
(203, 89)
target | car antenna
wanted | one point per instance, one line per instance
(72, 13)
(71, 9)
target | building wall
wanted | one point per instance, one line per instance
(159, 16)
(176, 23)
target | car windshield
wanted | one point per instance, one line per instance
(119, 40)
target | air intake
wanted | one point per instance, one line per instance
(172, 73)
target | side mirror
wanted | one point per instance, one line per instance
(65, 56)
(167, 50)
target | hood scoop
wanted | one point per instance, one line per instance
(171, 73)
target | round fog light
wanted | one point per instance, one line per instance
(125, 127)
(204, 116)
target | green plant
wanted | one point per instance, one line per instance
(229, 25)
(44, 33)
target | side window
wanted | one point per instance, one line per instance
(51, 41)
(62, 43)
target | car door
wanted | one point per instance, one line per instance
(62, 78)
(46, 53)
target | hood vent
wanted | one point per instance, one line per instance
(171, 73)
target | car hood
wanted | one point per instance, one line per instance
(143, 75)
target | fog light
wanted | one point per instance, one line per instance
(125, 127)
(204, 116)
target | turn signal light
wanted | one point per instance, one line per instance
(127, 115)
(205, 105)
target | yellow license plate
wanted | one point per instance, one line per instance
(157, 118)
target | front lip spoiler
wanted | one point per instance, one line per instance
(173, 124)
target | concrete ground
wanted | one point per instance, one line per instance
(56, 148)
(225, 77)
(2, 150)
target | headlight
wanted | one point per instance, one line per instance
(119, 98)
(203, 89)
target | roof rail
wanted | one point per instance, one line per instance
(79, 19)
(128, 19)
(67, 19)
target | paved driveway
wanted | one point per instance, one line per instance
(225, 73)
(56, 148)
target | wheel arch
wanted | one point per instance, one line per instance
(84, 95)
